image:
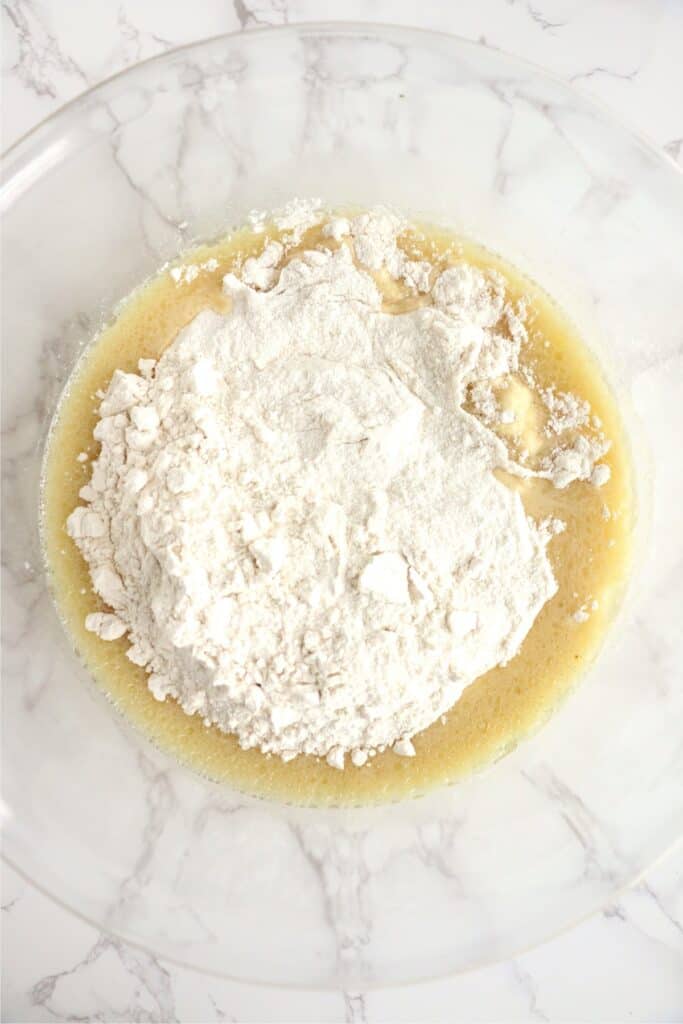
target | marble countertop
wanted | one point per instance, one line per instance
(625, 963)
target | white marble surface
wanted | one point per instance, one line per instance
(626, 963)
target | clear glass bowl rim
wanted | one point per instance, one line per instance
(20, 153)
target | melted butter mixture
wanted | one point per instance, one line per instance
(590, 559)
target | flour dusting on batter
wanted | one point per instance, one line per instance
(293, 517)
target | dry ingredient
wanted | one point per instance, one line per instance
(294, 520)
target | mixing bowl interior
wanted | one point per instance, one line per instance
(175, 151)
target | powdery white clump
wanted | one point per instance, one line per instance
(292, 517)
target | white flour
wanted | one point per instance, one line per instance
(566, 411)
(293, 519)
(188, 273)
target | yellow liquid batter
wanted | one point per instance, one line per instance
(590, 559)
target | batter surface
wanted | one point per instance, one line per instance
(590, 559)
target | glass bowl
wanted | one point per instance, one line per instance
(176, 150)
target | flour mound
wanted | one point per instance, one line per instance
(293, 519)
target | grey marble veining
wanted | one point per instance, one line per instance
(624, 963)
(629, 958)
